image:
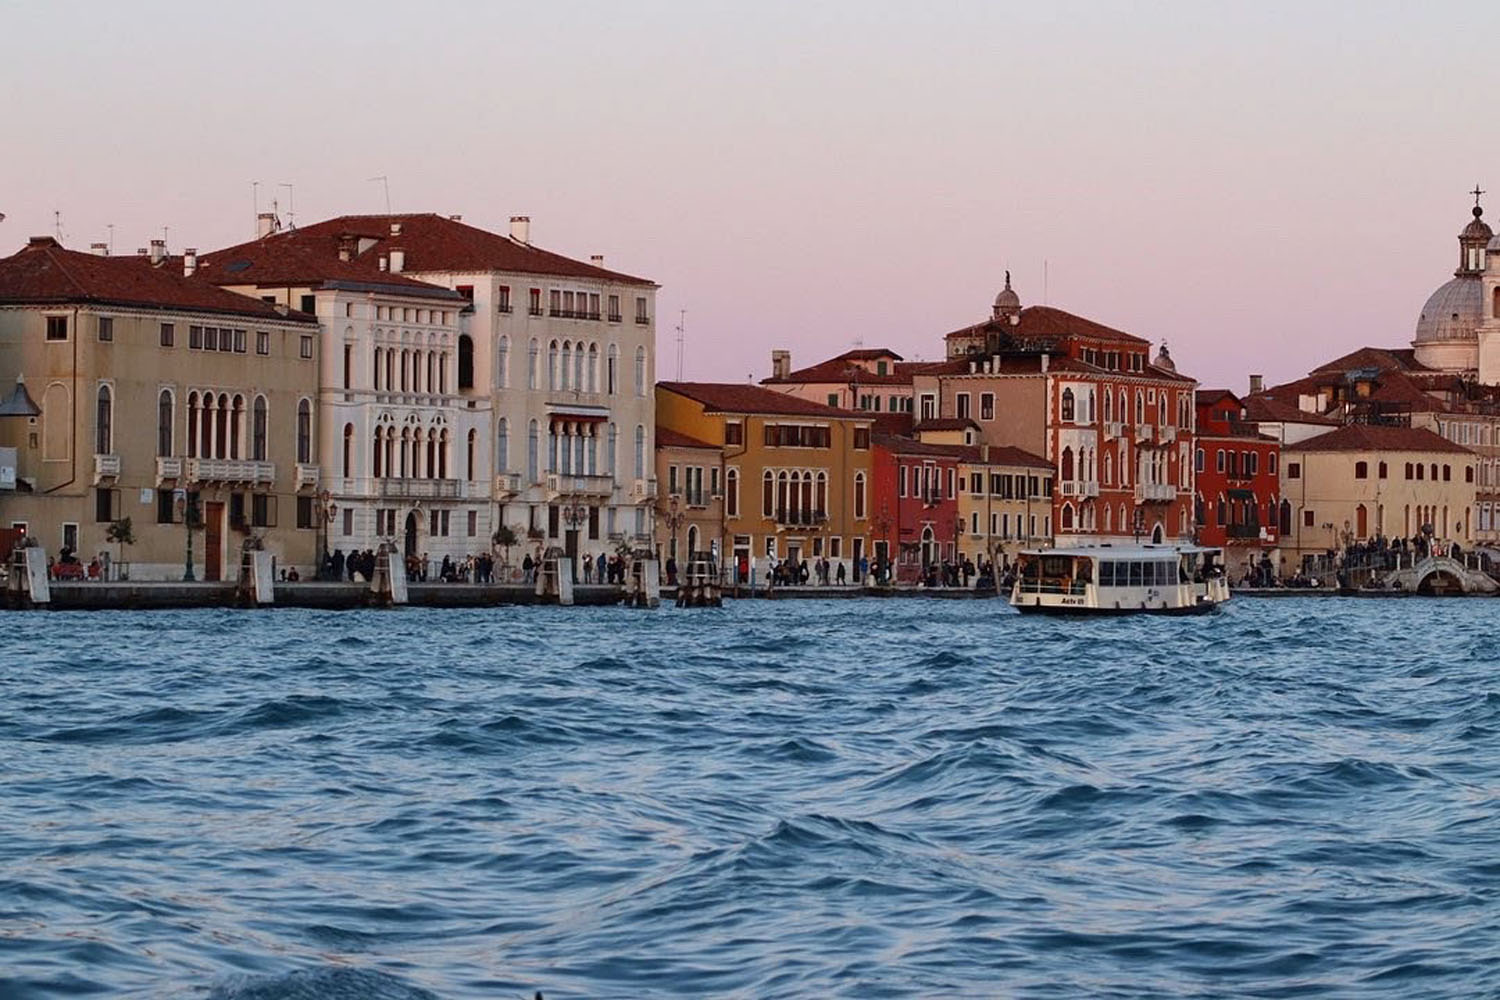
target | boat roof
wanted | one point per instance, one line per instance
(1122, 551)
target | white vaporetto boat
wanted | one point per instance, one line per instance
(1120, 580)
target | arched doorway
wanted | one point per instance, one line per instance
(929, 548)
(692, 540)
(411, 534)
(1361, 522)
(1157, 534)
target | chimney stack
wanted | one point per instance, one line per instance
(158, 251)
(781, 364)
(346, 248)
(189, 261)
(265, 225)
(1257, 383)
(140, 251)
(398, 260)
(520, 229)
(395, 229)
(597, 260)
(382, 262)
(99, 249)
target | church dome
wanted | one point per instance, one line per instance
(1453, 312)
(1478, 230)
(1007, 303)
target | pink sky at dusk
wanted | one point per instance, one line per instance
(1263, 186)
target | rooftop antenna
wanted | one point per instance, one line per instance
(291, 206)
(385, 184)
(681, 322)
(164, 236)
(57, 224)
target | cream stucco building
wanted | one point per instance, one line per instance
(1363, 480)
(159, 395)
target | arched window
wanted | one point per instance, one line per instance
(164, 423)
(609, 454)
(1124, 412)
(611, 371)
(767, 495)
(104, 435)
(259, 417)
(578, 360)
(502, 361)
(304, 431)
(533, 362)
(1109, 468)
(221, 427)
(379, 357)
(640, 451)
(206, 427)
(552, 365)
(192, 425)
(502, 446)
(533, 447)
(377, 463)
(348, 465)
(1109, 409)
(1140, 406)
(1067, 465)
(640, 371)
(566, 366)
(1067, 517)
(820, 498)
(1067, 407)
(593, 382)
(465, 362)
(405, 460)
(444, 446)
(473, 439)
(859, 496)
(236, 425)
(732, 493)
(405, 370)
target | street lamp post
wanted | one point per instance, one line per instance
(674, 518)
(189, 511)
(325, 512)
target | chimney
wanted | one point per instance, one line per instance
(398, 260)
(455, 218)
(1257, 383)
(520, 229)
(265, 225)
(1045, 359)
(141, 251)
(781, 364)
(395, 229)
(597, 259)
(382, 262)
(99, 249)
(158, 251)
(346, 247)
(189, 261)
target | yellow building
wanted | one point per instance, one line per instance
(1005, 502)
(1364, 480)
(797, 474)
(156, 390)
(690, 497)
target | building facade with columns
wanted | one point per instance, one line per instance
(405, 444)
(161, 397)
(562, 351)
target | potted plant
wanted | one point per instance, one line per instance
(122, 533)
(503, 538)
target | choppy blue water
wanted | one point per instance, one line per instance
(779, 799)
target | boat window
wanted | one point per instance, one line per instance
(1107, 573)
(1137, 571)
(1166, 574)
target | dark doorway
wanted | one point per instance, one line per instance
(213, 540)
(411, 534)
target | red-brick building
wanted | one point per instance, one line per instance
(915, 523)
(1238, 485)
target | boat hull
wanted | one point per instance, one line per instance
(1080, 611)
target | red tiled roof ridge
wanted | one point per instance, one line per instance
(666, 437)
(735, 397)
(1378, 437)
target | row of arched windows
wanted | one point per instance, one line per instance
(410, 453)
(215, 426)
(416, 370)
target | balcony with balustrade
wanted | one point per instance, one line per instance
(1113, 429)
(568, 484)
(1155, 492)
(308, 476)
(1144, 433)
(507, 485)
(230, 470)
(106, 468)
(643, 490)
(420, 489)
(1168, 434)
(1082, 489)
(797, 518)
(168, 470)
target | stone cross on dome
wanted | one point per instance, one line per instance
(1476, 193)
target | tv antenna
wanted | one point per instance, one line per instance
(385, 184)
(57, 224)
(291, 206)
(681, 323)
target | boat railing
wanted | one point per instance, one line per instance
(1069, 588)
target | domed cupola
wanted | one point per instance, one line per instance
(1447, 336)
(1007, 303)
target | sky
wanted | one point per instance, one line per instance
(1262, 186)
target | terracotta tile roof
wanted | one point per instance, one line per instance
(1374, 437)
(893, 423)
(306, 257)
(1007, 454)
(436, 243)
(946, 424)
(730, 397)
(868, 354)
(1045, 322)
(911, 446)
(840, 370)
(1267, 409)
(44, 273)
(668, 438)
(1374, 357)
(1208, 397)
